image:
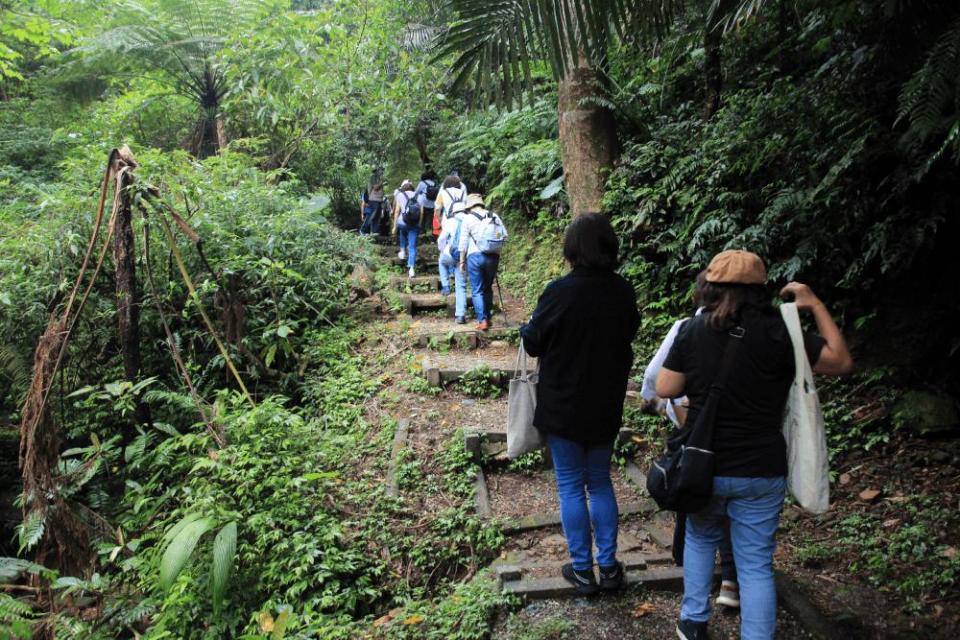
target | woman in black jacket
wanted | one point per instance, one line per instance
(581, 330)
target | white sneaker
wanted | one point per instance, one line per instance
(729, 594)
(401, 254)
(412, 274)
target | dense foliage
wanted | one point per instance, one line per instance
(833, 153)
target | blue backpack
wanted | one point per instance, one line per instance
(411, 212)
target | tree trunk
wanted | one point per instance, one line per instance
(420, 140)
(588, 138)
(713, 63)
(128, 299)
(221, 133)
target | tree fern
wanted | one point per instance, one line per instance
(930, 100)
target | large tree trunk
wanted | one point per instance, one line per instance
(420, 140)
(128, 299)
(588, 138)
(713, 63)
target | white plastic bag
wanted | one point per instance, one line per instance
(522, 436)
(808, 468)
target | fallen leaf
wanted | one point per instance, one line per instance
(414, 619)
(869, 495)
(892, 522)
(644, 609)
(266, 622)
(950, 553)
(845, 478)
(387, 617)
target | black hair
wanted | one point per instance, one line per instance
(590, 242)
(451, 181)
(729, 303)
(429, 174)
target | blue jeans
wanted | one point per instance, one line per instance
(408, 240)
(482, 269)
(752, 506)
(580, 467)
(447, 267)
(371, 219)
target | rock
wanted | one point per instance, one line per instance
(939, 456)
(845, 478)
(869, 495)
(926, 413)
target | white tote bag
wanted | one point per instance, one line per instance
(808, 468)
(522, 436)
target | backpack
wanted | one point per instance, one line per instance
(411, 211)
(449, 201)
(432, 190)
(492, 234)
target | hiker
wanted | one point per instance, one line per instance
(371, 205)
(407, 217)
(750, 465)
(482, 236)
(449, 245)
(452, 190)
(676, 410)
(427, 190)
(582, 331)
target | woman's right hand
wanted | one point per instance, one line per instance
(802, 294)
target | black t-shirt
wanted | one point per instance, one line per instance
(747, 437)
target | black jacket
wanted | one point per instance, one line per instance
(581, 330)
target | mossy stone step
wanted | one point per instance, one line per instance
(427, 251)
(431, 283)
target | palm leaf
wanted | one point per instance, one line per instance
(494, 42)
(180, 548)
(224, 551)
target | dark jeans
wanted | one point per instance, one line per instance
(371, 219)
(482, 269)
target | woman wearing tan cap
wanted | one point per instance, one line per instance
(750, 452)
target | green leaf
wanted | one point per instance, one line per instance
(30, 531)
(552, 189)
(284, 330)
(224, 552)
(180, 548)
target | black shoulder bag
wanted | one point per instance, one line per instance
(682, 480)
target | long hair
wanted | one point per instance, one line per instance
(451, 181)
(728, 303)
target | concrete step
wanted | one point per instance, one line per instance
(444, 368)
(416, 303)
(654, 579)
(427, 251)
(551, 519)
(388, 240)
(429, 283)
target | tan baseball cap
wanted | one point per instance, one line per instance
(736, 267)
(474, 200)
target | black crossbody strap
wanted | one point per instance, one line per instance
(729, 355)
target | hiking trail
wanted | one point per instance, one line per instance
(522, 498)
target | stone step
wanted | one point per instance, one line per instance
(424, 302)
(541, 520)
(507, 571)
(420, 263)
(393, 241)
(427, 251)
(430, 282)
(654, 579)
(444, 368)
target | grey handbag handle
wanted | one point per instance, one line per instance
(521, 371)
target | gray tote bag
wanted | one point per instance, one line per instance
(522, 436)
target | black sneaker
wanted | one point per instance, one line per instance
(612, 578)
(583, 581)
(461, 320)
(689, 630)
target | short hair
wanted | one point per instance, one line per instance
(591, 242)
(451, 181)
